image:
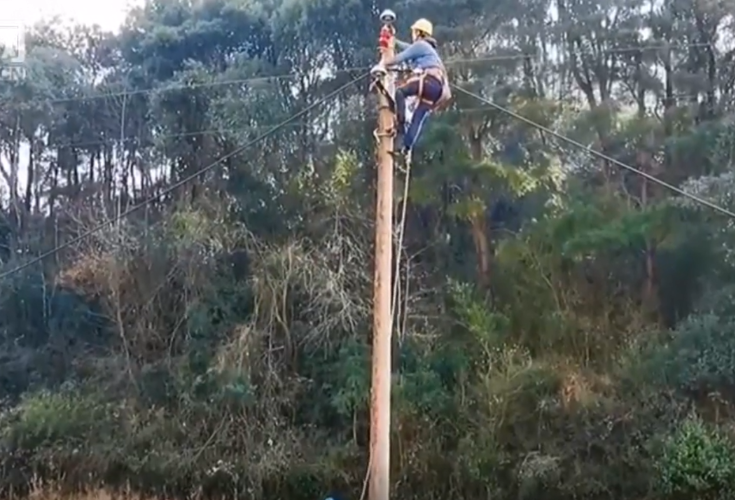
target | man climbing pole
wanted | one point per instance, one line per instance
(429, 83)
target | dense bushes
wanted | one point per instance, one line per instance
(197, 378)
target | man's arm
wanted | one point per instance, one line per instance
(402, 45)
(412, 52)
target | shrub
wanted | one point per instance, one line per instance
(697, 462)
(48, 418)
(700, 357)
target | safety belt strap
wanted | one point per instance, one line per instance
(440, 75)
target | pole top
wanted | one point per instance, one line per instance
(388, 17)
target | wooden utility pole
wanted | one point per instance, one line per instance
(379, 468)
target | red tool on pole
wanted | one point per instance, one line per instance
(387, 32)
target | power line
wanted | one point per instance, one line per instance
(213, 131)
(598, 154)
(284, 76)
(182, 182)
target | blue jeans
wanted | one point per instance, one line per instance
(432, 91)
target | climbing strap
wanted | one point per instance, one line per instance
(381, 88)
(396, 323)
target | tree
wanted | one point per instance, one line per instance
(559, 319)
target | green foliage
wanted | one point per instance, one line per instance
(353, 376)
(485, 326)
(697, 462)
(556, 316)
(699, 357)
(54, 418)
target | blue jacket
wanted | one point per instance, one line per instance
(418, 55)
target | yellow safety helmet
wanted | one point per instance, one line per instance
(424, 26)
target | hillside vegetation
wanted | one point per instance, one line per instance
(565, 330)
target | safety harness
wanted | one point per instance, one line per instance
(440, 74)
